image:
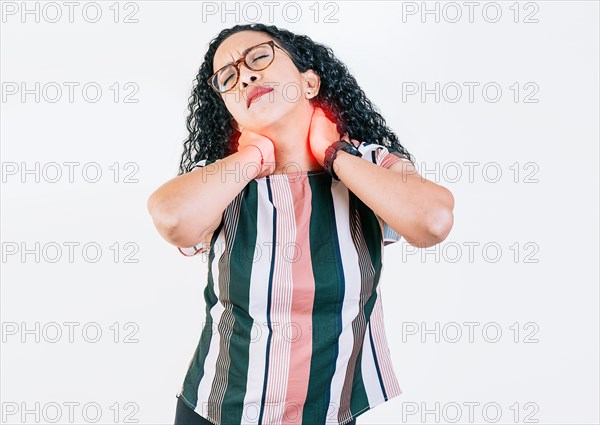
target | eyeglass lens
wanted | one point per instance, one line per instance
(257, 59)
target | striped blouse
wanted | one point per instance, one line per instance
(294, 326)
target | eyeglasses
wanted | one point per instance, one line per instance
(256, 58)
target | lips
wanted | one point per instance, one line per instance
(256, 92)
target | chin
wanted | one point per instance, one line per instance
(267, 115)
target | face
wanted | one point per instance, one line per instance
(286, 101)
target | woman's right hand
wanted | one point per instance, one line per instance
(266, 147)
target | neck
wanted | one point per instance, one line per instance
(292, 147)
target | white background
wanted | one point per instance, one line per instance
(550, 296)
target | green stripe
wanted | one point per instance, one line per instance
(196, 369)
(241, 260)
(329, 295)
(372, 236)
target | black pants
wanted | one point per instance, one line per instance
(186, 416)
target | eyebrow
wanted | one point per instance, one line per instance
(243, 53)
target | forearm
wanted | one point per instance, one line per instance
(418, 209)
(197, 199)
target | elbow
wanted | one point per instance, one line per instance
(172, 228)
(152, 202)
(442, 219)
(441, 225)
(434, 225)
(162, 219)
(165, 221)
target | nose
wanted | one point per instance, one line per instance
(247, 77)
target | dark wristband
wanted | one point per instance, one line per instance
(331, 153)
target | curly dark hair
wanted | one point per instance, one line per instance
(211, 132)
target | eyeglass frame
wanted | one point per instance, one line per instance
(236, 65)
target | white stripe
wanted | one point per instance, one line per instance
(366, 149)
(257, 308)
(281, 303)
(350, 264)
(216, 312)
(382, 350)
(369, 372)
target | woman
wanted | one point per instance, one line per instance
(294, 232)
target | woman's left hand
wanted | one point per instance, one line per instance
(323, 132)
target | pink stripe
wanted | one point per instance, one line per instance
(387, 160)
(302, 302)
(281, 306)
(382, 352)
